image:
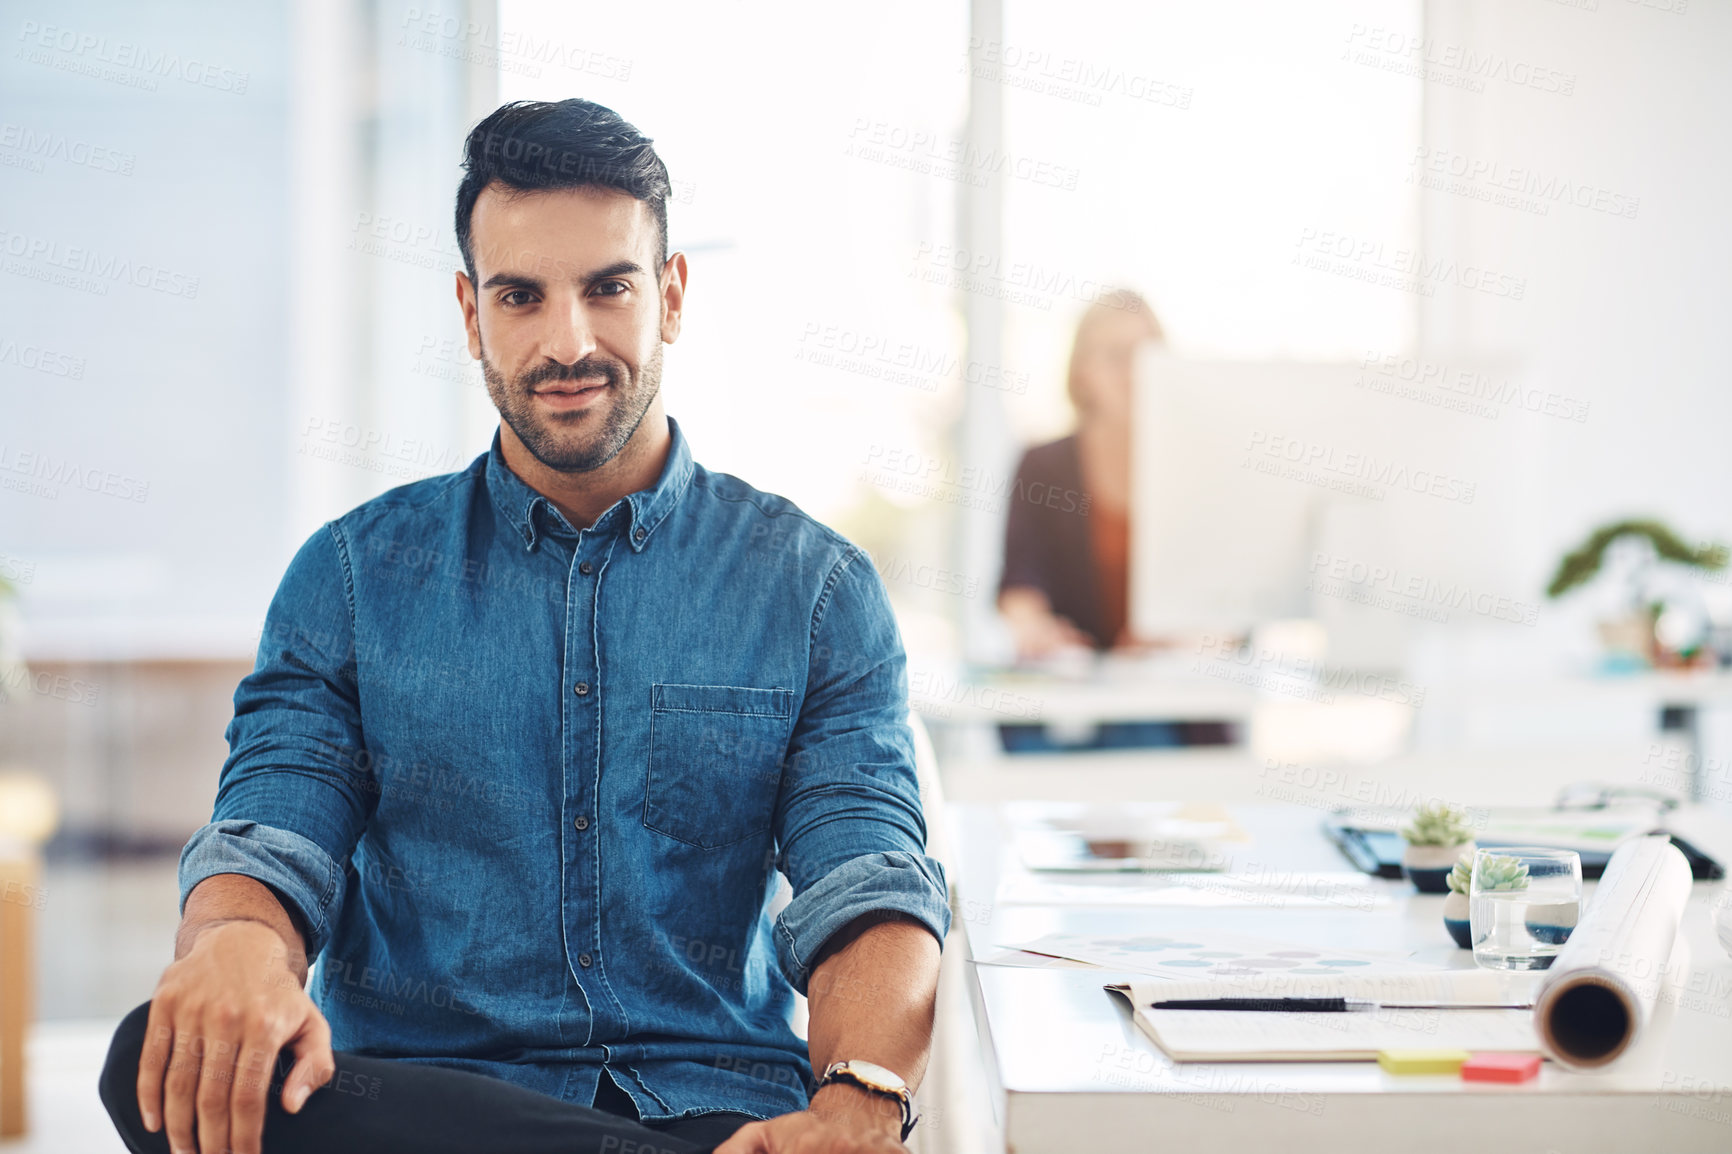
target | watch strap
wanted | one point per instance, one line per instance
(839, 1072)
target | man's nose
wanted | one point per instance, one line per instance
(568, 337)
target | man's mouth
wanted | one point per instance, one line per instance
(571, 394)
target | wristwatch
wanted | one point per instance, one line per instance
(875, 1079)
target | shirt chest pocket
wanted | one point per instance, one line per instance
(716, 755)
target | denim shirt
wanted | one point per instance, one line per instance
(529, 789)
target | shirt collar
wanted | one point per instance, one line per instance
(645, 509)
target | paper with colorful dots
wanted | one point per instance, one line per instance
(1210, 954)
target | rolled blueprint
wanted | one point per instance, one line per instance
(1601, 989)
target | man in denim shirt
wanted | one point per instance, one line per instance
(522, 755)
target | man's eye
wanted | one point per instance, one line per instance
(516, 297)
(611, 288)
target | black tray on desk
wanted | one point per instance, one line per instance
(1378, 852)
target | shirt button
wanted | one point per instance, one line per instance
(581, 689)
(585, 568)
(640, 534)
(584, 960)
(581, 823)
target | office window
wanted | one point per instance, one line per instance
(1185, 150)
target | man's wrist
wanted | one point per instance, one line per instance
(291, 958)
(856, 1108)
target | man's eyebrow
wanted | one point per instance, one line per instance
(515, 280)
(536, 284)
(617, 268)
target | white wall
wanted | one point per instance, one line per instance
(1602, 126)
(1624, 312)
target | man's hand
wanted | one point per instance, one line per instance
(219, 1015)
(842, 1119)
(857, 1111)
(828, 1127)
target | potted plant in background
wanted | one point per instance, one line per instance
(1438, 834)
(1456, 911)
(1652, 630)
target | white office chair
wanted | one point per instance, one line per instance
(953, 1099)
(931, 795)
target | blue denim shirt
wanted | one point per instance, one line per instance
(529, 788)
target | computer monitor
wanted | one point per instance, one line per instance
(1271, 490)
(1217, 543)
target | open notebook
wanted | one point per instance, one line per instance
(1417, 1016)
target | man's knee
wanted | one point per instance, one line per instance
(119, 1083)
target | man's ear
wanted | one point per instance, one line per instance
(471, 313)
(673, 289)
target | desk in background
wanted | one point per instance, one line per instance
(1354, 728)
(1068, 1070)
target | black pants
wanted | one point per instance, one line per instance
(378, 1106)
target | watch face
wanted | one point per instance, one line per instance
(877, 1076)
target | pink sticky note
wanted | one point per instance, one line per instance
(1500, 1067)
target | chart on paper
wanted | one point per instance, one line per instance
(1208, 954)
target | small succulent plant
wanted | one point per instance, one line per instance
(1497, 872)
(1438, 823)
(1461, 877)
(1456, 910)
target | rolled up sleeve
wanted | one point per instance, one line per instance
(297, 869)
(911, 884)
(851, 837)
(298, 787)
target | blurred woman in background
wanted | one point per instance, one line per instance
(1067, 543)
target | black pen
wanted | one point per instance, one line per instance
(1291, 1005)
(1314, 1005)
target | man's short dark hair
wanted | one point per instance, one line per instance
(533, 145)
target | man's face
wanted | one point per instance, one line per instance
(568, 319)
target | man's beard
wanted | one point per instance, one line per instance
(582, 441)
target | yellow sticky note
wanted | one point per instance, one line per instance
(1422, 1061)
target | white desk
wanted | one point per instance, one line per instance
(964, 715)
(1183, 687)
(1116, 690)
(1069, 1071)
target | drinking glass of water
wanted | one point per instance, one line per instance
(1522, 905)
